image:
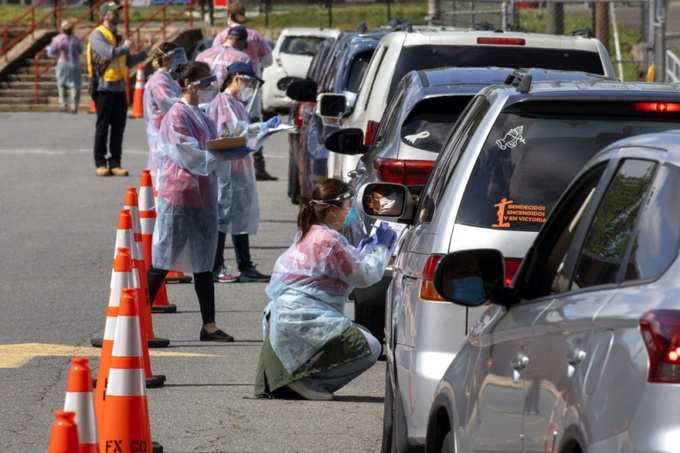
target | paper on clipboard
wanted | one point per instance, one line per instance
(256, 141)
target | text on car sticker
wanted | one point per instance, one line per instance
(508, 212)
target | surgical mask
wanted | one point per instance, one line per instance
(469, 289)
(245, 94)
(206, 95)
(350, 218)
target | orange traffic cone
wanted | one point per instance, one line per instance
(147, 219)
(64, 435)
(120, 278)
(79, 400)
(138, 98)
(93, 107)
(126, 414)
(177, 277)
(139, 272)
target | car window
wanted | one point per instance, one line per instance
(548, 274)
(658, 240)
(437, 56)
(528, 160)
(461, 135)
(429, 123)
(382, 51)
(301, 45)
(357, 70)
(613, 225)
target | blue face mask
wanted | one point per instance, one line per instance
(349, 218)
(469, 289)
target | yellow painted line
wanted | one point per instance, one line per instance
(17, 355)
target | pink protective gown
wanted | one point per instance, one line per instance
(257, 46)
(185, 234)
(160, 93)
(219, 59)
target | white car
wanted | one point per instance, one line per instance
(404, 51)
(291, 58)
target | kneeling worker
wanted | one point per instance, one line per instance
(310, 346)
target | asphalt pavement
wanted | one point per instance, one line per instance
(57, 227)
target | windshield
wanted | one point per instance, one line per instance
(301, 45)
(527, 162)
(429, 124)
(428, 57)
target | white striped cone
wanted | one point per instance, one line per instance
(124, 239)
(126, 411)
(139, 80)
(79, 400)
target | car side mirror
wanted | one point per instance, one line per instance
(285, 82)
(470, 277)
(346, 141)
(302, 90)
(387, 201)
(332, 105)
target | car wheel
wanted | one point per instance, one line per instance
(293, 181)
(447, 443)
(399, 431)
(387, 416)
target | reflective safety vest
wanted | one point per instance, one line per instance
(116, 69)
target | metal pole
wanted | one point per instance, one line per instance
(555, 13)
(602, 23)
(617, 41)
(659, 40)
(126, 15)
(389, 10)
(330, 13)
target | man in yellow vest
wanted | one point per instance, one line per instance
(108, 60)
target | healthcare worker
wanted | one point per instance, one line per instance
(239, 210)
(310, 346)
(185, 234)
(160, 93)
(69, 71)
(231, 51)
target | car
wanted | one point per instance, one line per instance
(512, 154)
(303, 93)
(582, 353)
(291, 57)
(404, 51)
(417, 123)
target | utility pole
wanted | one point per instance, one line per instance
(601, 22)
(659, 29)
(555, 18)
(433, 10)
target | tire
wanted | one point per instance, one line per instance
(447, 443)
(387, 416)
(399, 435)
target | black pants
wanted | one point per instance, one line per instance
(111, 114)
(203, 285)
(241, 250)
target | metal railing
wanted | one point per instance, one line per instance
(36, 22)
(672, 74)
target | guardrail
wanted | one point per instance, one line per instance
(672, 67)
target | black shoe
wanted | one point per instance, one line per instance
(253, 276)
(264, 176)
(217, 335)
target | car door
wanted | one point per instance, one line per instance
(503, 387)
(568, 347)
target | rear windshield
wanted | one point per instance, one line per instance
(528, 161)
(357, 70)
(428, 57)
(301, 45)
(429, 124)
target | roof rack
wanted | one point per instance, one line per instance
(400, 25)
(519, 79)
(583, 32)
(485, 26)
(362, 27)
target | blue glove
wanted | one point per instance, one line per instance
(385, 235)
(273, 122)
(367, 242)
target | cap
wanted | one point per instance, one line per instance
(243, 69)
(237, 12)
(109, 6)
(239, 32)
(66, 24)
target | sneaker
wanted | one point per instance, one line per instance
(217, 335)
(118, 171)
(309, 393)
(252, 275)
(102, 171)
(224, 276)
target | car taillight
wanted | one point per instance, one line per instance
(427, 290)
(502, 41)
(406, 172)
(371, 129)
(511, 266)
(657, 107)
(661, 334)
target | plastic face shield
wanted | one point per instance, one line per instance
(337, 201)
(206, 83)
(176, 56)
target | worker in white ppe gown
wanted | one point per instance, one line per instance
(185, 233)
(310, 347)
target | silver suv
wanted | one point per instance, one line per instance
(584, 353)
(512, 154)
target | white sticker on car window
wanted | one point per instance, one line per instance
(512, 138)
(413, 138)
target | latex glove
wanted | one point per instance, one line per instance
(273, 122)
(385, 235)
(367, 242)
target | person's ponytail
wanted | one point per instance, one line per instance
(306, 217)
